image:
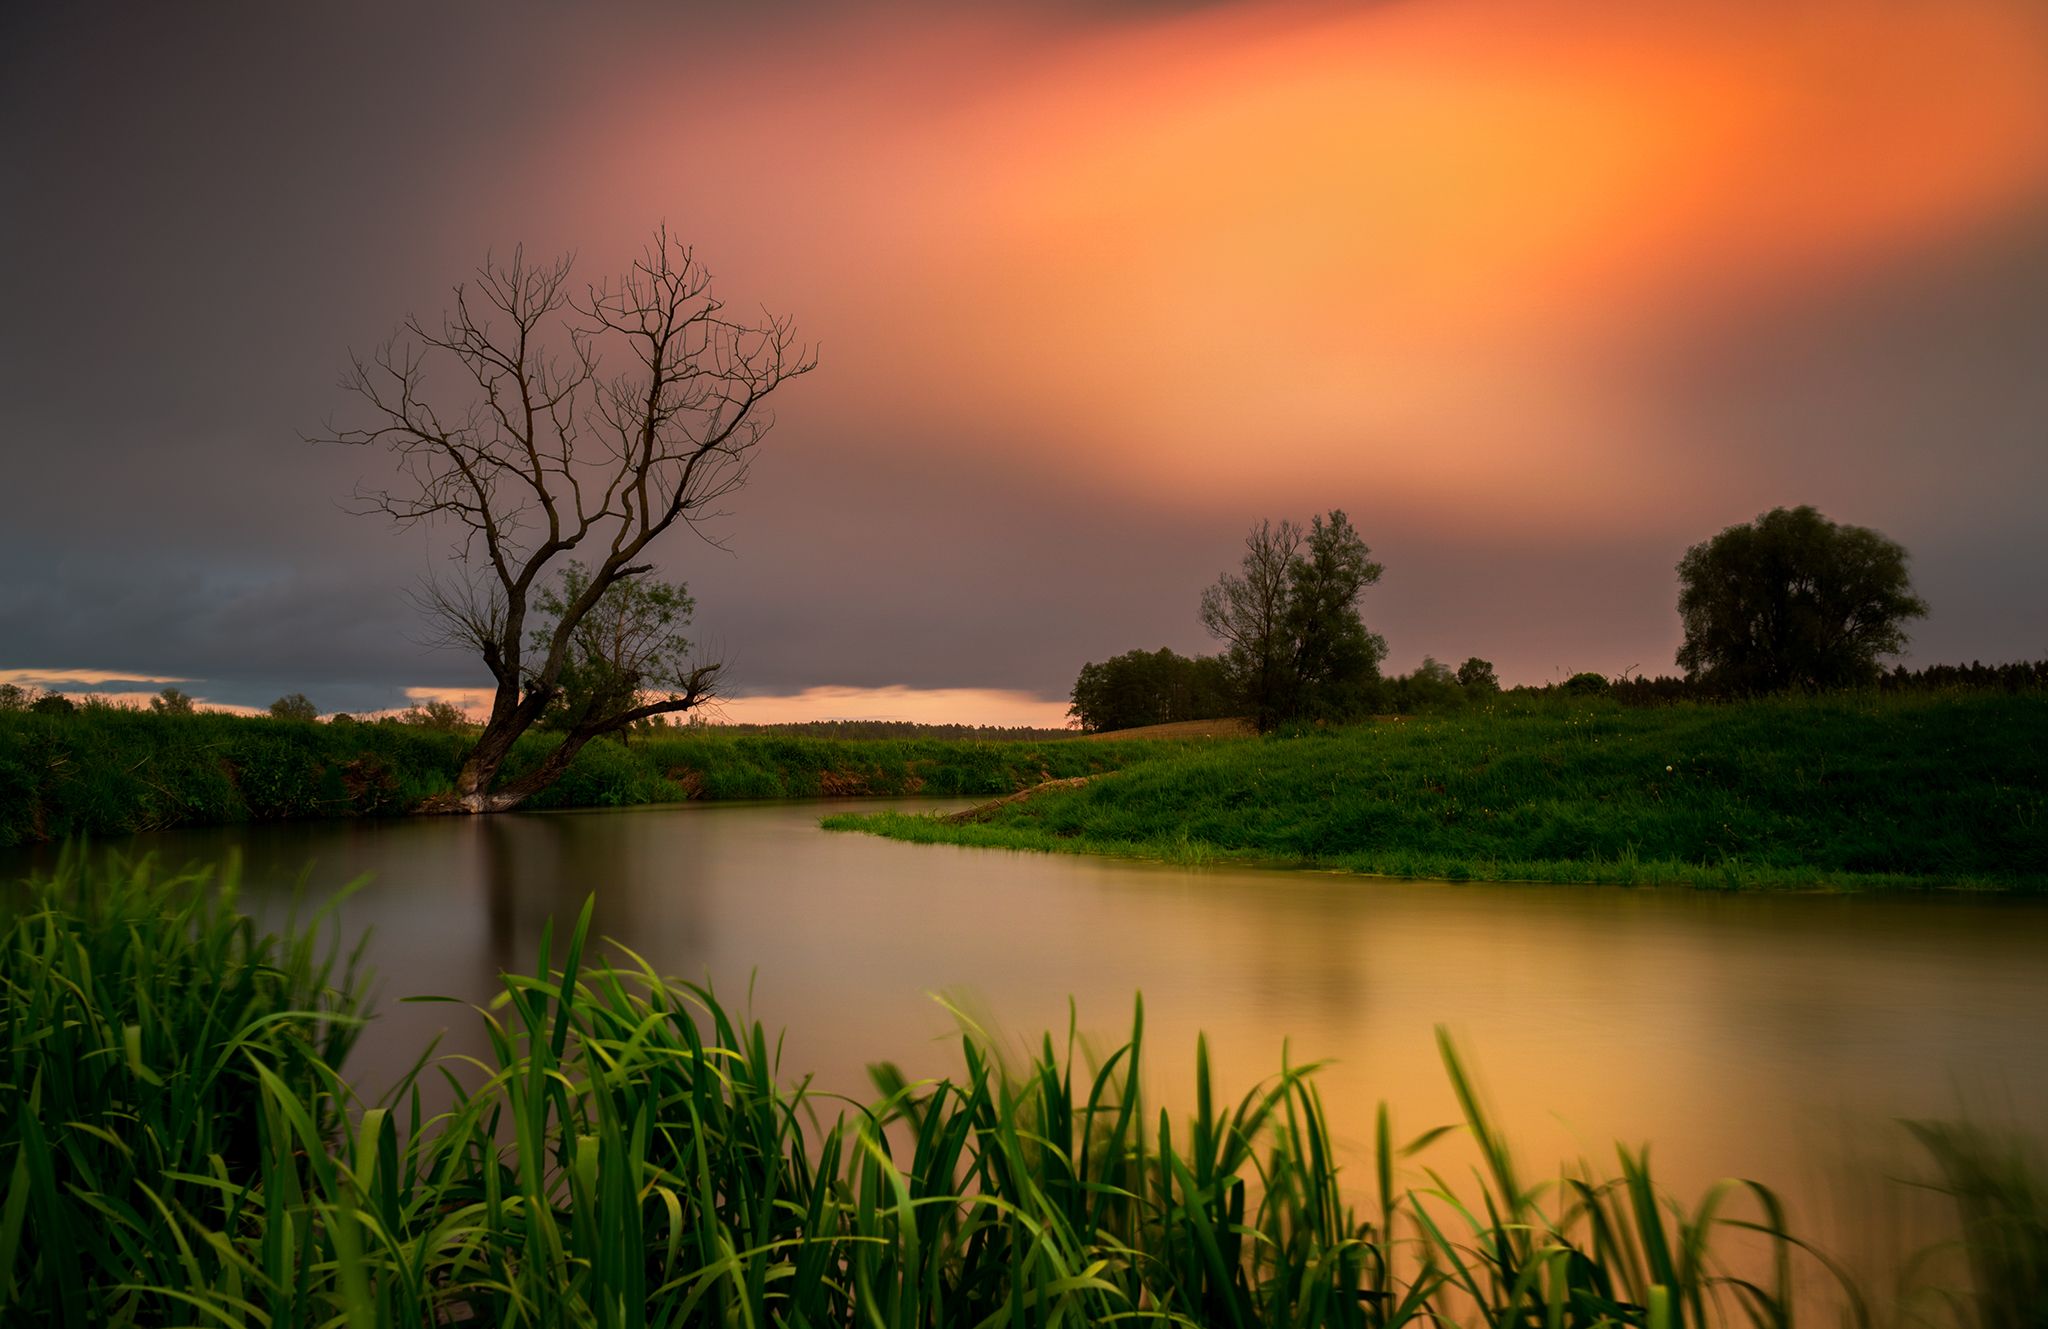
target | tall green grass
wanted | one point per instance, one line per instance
(142, 1017)
(105, 771)
(630, 1153)
(710, 765)
(1850, 790)
(2000, 1191)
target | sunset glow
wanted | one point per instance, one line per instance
(1541, 294)
(1369, 234)
(1400, 243)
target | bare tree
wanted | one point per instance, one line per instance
(1248, 610)
(540, 450)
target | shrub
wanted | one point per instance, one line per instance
(442, 716)
(1431, 686)
(171, 702)
(607, 775)
(294, 706)
(1476, 675)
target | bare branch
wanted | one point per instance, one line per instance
(503, 425)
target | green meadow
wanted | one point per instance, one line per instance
(1847, 790)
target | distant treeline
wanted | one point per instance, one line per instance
(105, 770)
(1790, 604)
(1435, 687)
(1141, 688)
(1159, 687)
(2018, 676)
(1152, 687)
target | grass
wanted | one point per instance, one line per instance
(2000, 1191)
(184, 1148)
(109, 771)
(143, 1022)
(779, 766)
(106, 771)
(1854, 791)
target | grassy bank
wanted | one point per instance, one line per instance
(182, 1146)
(106, 771)
(1851, 791)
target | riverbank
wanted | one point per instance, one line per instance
(184, 1145)
(1849, 792)
(104, 772)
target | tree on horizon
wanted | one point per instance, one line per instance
(1295, 645)
(1793, 601)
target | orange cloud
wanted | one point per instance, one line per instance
(472, 702)
(80, 678)
(1309, 248)
(1466, 160)
(1233, 257)
(980, 706)
(975, 706)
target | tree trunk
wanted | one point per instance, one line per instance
(516, 791)
(474, 790)
(476, 783)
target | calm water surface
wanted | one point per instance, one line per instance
(1775, 1037)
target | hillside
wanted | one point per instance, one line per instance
(1846, 791)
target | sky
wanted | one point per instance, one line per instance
(1539, 293)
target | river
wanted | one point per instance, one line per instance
(1770, 1036)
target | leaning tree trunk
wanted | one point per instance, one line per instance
(525, 785)
(472, 792)
(477, 788)
(474, 789)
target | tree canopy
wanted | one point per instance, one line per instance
(171, 701)
(1476, 675)
(1295, 645)
(1793, 601)
(294, 706)
(1150, 687)
(627, 657)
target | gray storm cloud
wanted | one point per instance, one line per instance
(208, 208)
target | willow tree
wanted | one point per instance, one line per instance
(560, 432)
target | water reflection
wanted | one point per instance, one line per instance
(1752, 1036)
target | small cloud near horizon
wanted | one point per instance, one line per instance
(56, 680)
(997, 707)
